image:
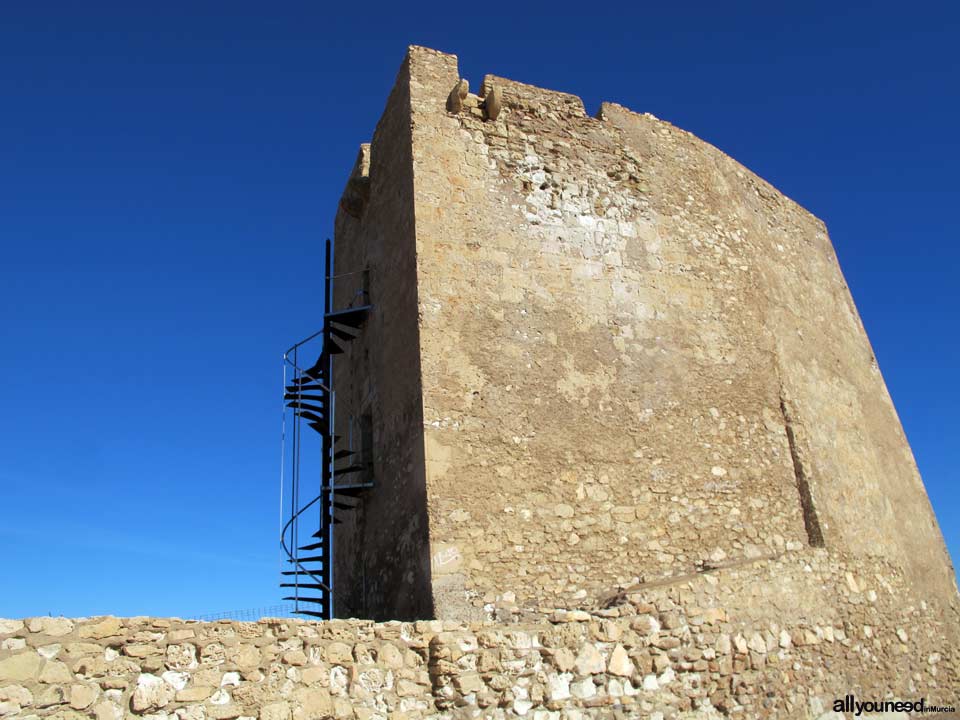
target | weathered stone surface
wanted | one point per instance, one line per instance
(223, 712)
(295, 657)
(50, 696)
(106, 710)
(83, 696)
(212, 654)
(620, 663)
(246, 656)
(197, 693)
(49, 652)
(56, 672)
(546, 664)
(492, 103)
(757, 643)
(339, 653)
(312, 675)
(558, 687)
(20, 667)
(459, 93)
(182, 656)
(589, 661)
(10, 626)
(390, 656)
(177, 680)
(564, 659)
(312, 704)
(140, 650)
(103, 629)
(583, 689)
(53, 626)
(151, 693)
(276, 711)
(16, 693)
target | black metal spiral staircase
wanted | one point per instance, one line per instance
(309, 396)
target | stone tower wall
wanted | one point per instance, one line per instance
(634, 360)
(381, 551)
(638, 358)
(596, 405)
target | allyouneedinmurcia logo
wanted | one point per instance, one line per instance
(849, 704)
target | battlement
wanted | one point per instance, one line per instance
(519, 96)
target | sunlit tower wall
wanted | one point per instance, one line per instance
(602, 353)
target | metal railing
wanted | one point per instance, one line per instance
(248, 614)
(308, 392)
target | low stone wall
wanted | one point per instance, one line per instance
(734, 642)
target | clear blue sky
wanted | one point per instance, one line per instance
(170, 170)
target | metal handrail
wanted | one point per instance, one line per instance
(302, 342)
(298, 372)
(296, 561)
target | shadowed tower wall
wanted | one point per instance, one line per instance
(603, 352)
(381, 552)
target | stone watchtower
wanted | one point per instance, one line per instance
(602, 353)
